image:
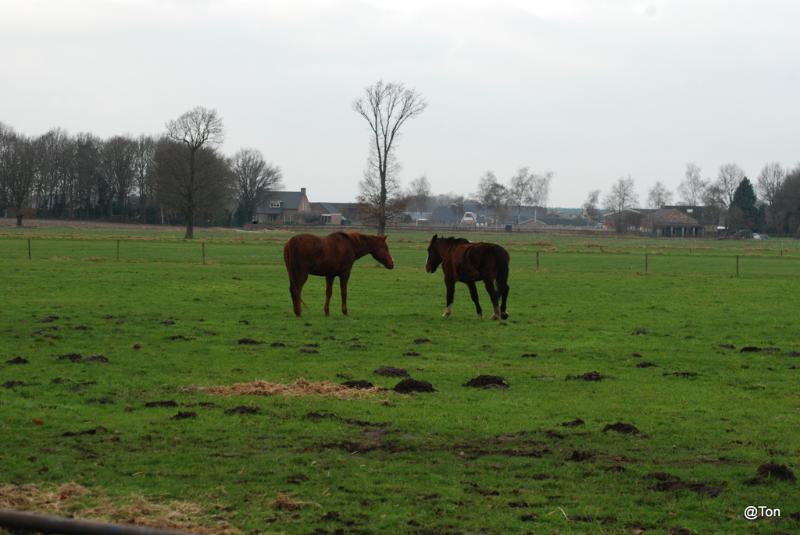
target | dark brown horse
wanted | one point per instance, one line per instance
(470, 262)
(329, 257)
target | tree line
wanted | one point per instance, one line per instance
(731, 200)
(177, 177)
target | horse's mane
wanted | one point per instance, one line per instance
(453, 241)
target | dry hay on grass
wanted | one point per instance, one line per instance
(287, 503)
(300, 387)
(71, 499)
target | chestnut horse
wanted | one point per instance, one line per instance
(469, 262)
(329, 257)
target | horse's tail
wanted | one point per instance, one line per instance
(293, 270)
(502, 260)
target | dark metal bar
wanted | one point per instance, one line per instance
(118, 250)
(737, 265)
(203, 245)
(537, 260)
(646, 262)
(39, 523)
(29, 248)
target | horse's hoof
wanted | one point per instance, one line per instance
(504, 316)
(495, 317)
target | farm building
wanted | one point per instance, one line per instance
(284, 207)
(671, 223)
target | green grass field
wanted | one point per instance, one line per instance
(458, 460)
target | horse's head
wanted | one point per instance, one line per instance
(380, 251)
(434, 257)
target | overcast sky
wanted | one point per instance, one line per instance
(589, 89)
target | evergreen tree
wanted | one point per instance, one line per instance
(743, 210)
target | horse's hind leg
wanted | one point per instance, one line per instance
(295, 290)
(473, 292)
(343, 287)
(328, 292)
(503, 313)
(489, 283)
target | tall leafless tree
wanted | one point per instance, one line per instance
(195, 130)
(659, 195)
(381, 200)
(769, 182)
(386, 107)
(253, 178)
(117, 160)
(590, 210)
(621, 197)
(693, 185)
(419, 193)
(143, 172)
(729, 177)
(18, 168)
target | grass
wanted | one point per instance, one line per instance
(456, 460)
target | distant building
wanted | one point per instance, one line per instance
(282, 207)
(661, 222)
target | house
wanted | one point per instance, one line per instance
(671, 223)
(284, 207)
(329, 213)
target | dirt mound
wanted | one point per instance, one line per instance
(300, 387)
(727, 346)
(406, 386)
(419, 341)
(646, 364)
(771, 472)
(390, 371)
(12, 384)
(242, 409)
(621, 427)
(640, 331)
(277, 344)
(72, 357)
(248, 342)
(487, 381)
(687, 375)
(529, 355)
(573, 423)
(358, 383)
(580, 456)
(756, 349)
(589, 376)
(667, 482)
(288, 503)
(185, 415)
(97, 358)
(68, 500)
(17, 360)
(165, 403)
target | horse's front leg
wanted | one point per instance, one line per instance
(473, 292)
(328, 292)
(451, 292)
(343, 287)
(494, 297)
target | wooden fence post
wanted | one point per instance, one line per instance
(117, 250)
(537, 260)
(646, 267)
(203, 247)
(29, 248)
(737, 265)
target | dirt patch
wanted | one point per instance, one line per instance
(769, 472)
(168, 321)
(49, 319)
(358, 383)
(580, 456)
(92, 431)
(646, 364)
(69, 500)
(410, 354)
(248, 342)
(573, 423)
(287, 503)
(317, 416)
(185, 415)
(487, 381)
(136, 347)
(300, 387)
(756, 349)
(686, 375)
(17, 360)
(12, 384)
(406, 386)
(98, 358)
(180, 337)
(419, 341)
(793, 353)
(309, 350)
(727, 346)
(277, 344)
(72, 357)
(589, 376)
(243, 409)
(621, 427)
(160, 404)
(390, 371)
(667, 482)
(529, 355)
(640, 331)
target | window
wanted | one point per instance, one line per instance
(274, 204)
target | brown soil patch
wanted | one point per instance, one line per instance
(300, 387)
(359, 383)
(487, 381)
(687, 375)
(756, 349)
(179, 337)
(72, 357)
(646, 364)
(164, 403)
(589, 376)
(419, 341)
(406, 386)
(573, 423)
(242, 409)
(621, 427)
(93, 431)
(410, 354)
(771, 472)
(17, 360)
(185, 415)
(390, 371)
(12, 384)
(69, 500)
(277, 344)
(668, 482)
(580, 456)
(727, 346)
(529, 355)
(288, 503)
(248, 342)
(97, 358)
(317, 416)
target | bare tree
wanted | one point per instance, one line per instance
(693, 185)
(590, 205)
(253, 178)
(371, 191)
(117, 156)
(728, 179)
(386, 107)
(520, 189)
(143, 170)
(492, 194)
(658, 196)
(714, 202)
(18, 171)
(769, 182)
(419, 193)
(621, 197)
(197, 129)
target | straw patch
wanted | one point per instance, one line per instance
(287, 503)
(70, 499)
(300, 387)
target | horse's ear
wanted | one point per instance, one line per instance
(383, 238)
(435, 236)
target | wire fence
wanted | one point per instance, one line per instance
(641, 260)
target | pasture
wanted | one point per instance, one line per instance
(547, 454)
